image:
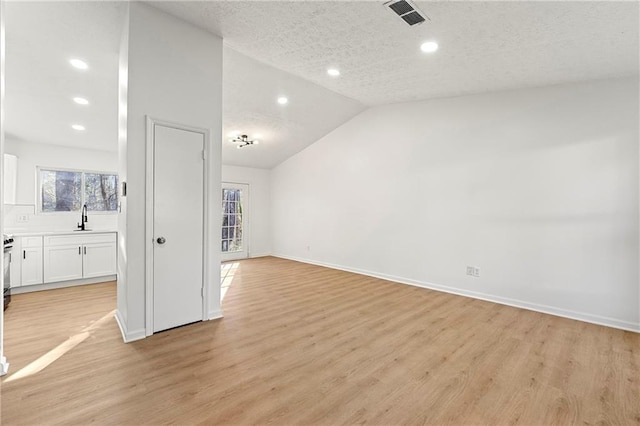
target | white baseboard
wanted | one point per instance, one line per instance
(4, 366)
(215, 315)
(259, 255)
(61, 284)
(126, 335)
(546, 309)
(250, 256)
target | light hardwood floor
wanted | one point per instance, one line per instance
(302, 344)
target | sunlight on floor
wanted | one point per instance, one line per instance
(47, 359)
(227, 271)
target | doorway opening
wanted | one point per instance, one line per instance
(235, 221)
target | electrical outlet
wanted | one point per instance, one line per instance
(23, 218)
(473, 271)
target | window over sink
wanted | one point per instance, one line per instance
(63, 190)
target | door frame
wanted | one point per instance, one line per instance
(149, 231)
(246, 224)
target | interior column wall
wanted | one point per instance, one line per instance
(4, 366)
(123, 92)
(173, 73)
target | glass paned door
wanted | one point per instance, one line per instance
(234, 235)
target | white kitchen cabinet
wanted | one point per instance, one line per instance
(31, 261)
(62, 263)
(56, 258)
(99, 259)
(16, 263)
(71, 257)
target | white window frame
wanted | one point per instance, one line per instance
(246, 223)
(82, 201)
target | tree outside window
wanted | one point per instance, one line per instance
(69, 190)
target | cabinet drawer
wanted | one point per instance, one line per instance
(65, 240)
(31, 242)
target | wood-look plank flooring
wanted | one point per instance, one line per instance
(302, 345)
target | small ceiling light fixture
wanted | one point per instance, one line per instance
(78, 127)
(80, 101)
(333, 72)
(429, 46)
(282, 100)
(79, 64)
(243, 140)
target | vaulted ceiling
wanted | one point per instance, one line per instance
(483, 45)
(275, 48)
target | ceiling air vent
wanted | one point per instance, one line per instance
(407, 11)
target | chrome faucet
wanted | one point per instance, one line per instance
(83, 218)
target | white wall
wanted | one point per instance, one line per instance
(259, 205)
(31, 155)
(538, 188)
(172, 71)
(4, 366)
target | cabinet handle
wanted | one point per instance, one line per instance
(24, 254)
(85, 250)
(79, 250)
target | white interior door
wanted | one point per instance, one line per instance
(178, 227)
(235, 221)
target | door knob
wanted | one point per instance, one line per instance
(161, 240)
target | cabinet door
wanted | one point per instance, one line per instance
(16, 264)
(99, 259)
(62, 263)
(31, 268)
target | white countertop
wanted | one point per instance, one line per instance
(47, 233)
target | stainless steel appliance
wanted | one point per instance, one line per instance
(7, 247)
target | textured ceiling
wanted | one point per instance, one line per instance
(276, 47)
(250, 90)
(484, 46)
(43, 36)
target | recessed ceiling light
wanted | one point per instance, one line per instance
(282, 100)
(333, 72)
(429, 46)
(80, 64)
(78, 127)
(80, 101)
